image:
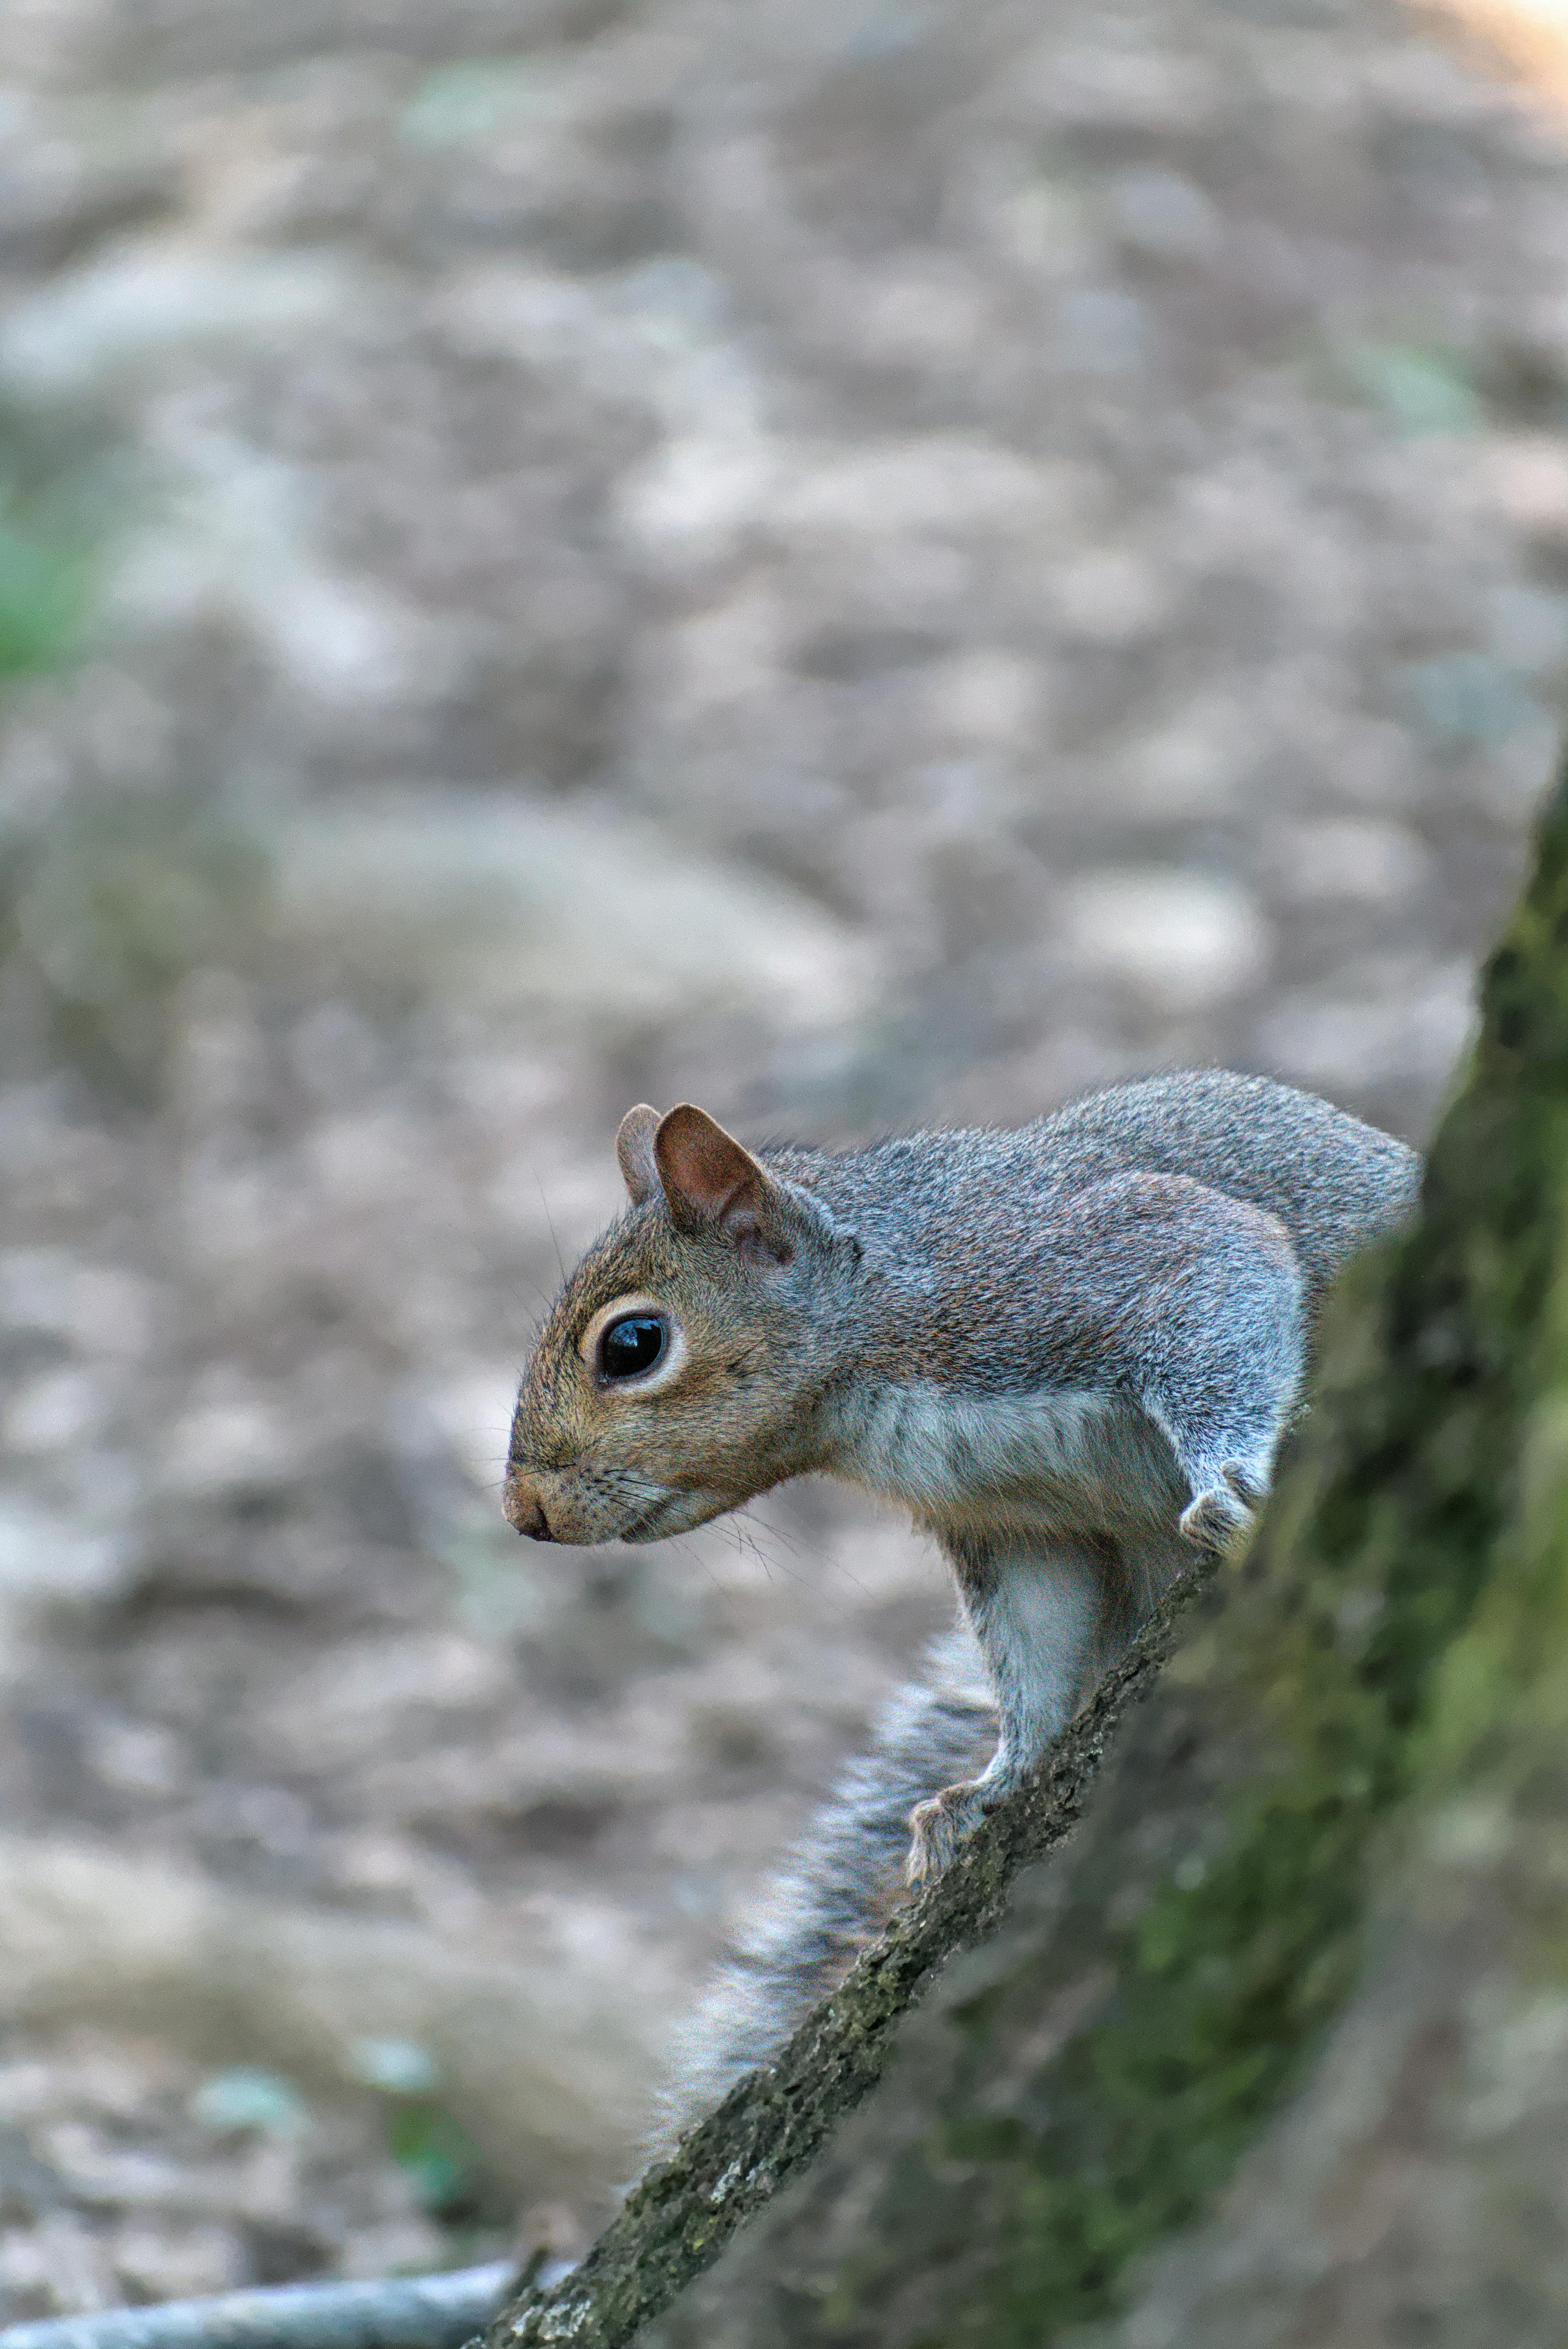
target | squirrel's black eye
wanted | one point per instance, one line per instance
(630, 1345)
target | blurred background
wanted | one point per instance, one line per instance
(865, 564)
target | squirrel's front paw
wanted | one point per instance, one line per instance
(939, 1826)
(1217, 1518)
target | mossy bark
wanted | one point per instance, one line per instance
(1080, 2086)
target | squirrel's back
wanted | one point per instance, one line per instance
(1335, 1182)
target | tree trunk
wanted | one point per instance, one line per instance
(1276, 2050)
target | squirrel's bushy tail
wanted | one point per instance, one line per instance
(838, 1885)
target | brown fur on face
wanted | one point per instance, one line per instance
(732, 1259)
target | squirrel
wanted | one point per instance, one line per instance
(1069, 1349)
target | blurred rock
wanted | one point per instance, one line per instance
(1384, 1024)
(138, 313)
(46, 1556)
(1164, 216)
(526, 2046)
(1530, 475)
(508, 905)
(1364, 862)
(1186, 939)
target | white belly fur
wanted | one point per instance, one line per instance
(1080, 1462)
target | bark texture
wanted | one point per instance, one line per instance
(1354, 1754)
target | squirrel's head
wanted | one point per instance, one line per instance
(683, 1365)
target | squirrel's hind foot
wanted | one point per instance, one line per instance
(938, 1828)
(1218, 1518)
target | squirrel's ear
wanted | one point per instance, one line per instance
(711, 1182)
(634, 1153)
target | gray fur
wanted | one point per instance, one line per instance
(838, 1885)
(1073, 1348)
(989, 1234)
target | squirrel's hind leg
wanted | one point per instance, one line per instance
(1201, 1316)
(1222, 1363)
(1036, 1612)
(1225, 1399)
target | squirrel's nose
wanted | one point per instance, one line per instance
(525, 1510)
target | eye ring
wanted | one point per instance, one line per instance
(644, 1364)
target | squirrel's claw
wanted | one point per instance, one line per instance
(1216, 1519)
(938, 1828)
(1250, 1494)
